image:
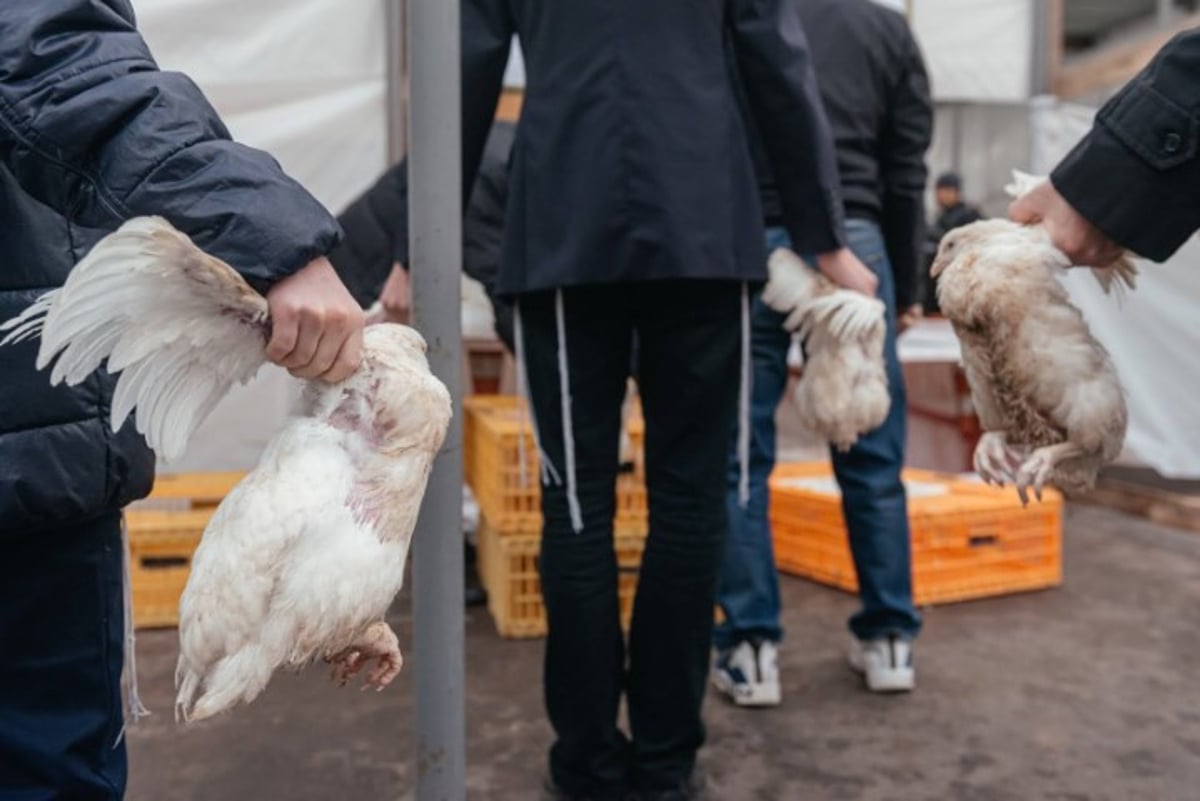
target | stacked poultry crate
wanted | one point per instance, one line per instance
(969, 540)
(164, 532)
(500, 463)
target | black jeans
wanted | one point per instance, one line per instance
(61, 631)
(689, 339)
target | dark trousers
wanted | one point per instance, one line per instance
(61, 627)
(689, 335)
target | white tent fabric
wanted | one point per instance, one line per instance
(976, 50)
(1151, 333)
(303, 80)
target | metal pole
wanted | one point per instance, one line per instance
(1040, 28)
(435, 249)
(396, 79)
(1165, 12)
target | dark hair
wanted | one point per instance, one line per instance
(949, 180)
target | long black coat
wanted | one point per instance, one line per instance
(631, 161)
(1136, 176)
(91, 133)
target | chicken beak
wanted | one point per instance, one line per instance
(939, 264)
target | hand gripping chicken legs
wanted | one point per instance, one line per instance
(303, 558)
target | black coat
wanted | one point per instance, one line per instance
(1136, 176)
(631, 161)
(876, 95)
(91, 133)
(376, 226)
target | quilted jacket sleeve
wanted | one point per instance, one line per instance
(90, 126)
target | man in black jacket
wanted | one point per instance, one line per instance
(875, 92)
(91, 133)
(633, 209)
(1134, 181)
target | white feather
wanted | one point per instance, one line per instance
(304, 557)
(843, 391)
(180, 326)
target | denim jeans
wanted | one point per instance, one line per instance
(873, 498)
(61, 652)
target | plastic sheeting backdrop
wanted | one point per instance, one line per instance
(305, 81)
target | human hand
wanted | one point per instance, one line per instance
(316, 327)
(909, 317)
(843, 268)
(396, 297)
(1083, 243)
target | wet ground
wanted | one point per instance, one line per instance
(1083, 693)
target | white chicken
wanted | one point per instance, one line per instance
(1048, 397)
(843, 391)
(303, 558)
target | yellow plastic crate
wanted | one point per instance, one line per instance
(506, 481)
(968, 540)
(161, 545)
(508, 569)
(164, 532)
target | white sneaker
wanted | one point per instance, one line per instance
(749, 674)
(886, 663)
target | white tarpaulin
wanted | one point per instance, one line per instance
(976, 50)
(303, 80)
(1151, 332)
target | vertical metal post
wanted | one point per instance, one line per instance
(1165, 12)
(396, 78)
(435, 249)
(1040, 41)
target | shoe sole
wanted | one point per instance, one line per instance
(757, 698)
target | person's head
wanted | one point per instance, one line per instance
(948, 190)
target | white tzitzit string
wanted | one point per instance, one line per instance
(136, 710)
(568, 427)
(743, 438)
(548, 472)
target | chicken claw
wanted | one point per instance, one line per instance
(994, 459)
(1037, 469)
(378, 641)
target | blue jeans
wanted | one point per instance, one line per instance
(61, 652)
(873, 496)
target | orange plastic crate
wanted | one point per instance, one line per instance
(968, 540)
(161, 545)
(508, 569)
(506, 482)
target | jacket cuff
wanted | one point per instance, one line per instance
(1135, 205)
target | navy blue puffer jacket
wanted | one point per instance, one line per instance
(91, 134)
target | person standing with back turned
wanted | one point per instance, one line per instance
(634, 209)
(876, 94)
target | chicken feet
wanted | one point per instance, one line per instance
(1038, 469)
(995, 461)
(377, 641)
